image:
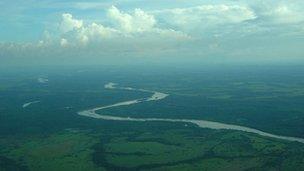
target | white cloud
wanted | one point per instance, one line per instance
(139, 21)
(63, 42)
(95, 32)
(206, 15)
(69, 23)
(283, 14)
(194, 27)
(134, 27)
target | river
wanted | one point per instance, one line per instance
(159, 96)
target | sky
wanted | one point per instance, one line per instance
(105, 31)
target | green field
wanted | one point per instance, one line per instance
(171, 149)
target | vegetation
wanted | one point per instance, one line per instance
(51, 136)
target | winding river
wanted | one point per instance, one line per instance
(159, 96)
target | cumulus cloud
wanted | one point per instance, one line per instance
(137, 26)
(95, 32)
(192, 28)
(69, 23)
(139, 21)
(63, 42)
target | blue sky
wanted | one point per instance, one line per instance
(187, 29)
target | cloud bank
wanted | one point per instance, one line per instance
(136, 27)
(223, 28)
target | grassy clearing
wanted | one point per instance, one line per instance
(176, 150)
(63, 151)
